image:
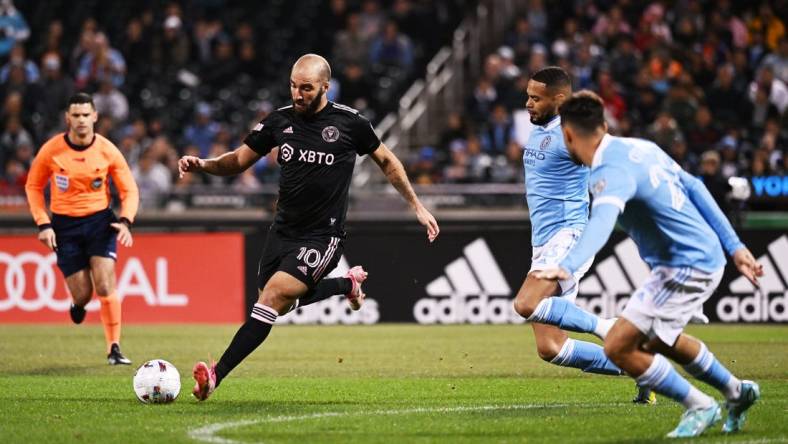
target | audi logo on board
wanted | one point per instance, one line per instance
(30, 280)
(43, 281)
(162, 278)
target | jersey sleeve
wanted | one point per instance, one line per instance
(594, 237)
(711, 212)
(127, 187)
(37, 177)
(262, 137)
(611, 185)
(364, 137)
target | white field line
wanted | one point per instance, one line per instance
(781, 439)
(208, 433)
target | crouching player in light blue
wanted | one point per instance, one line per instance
(557, 194)
(680, 233)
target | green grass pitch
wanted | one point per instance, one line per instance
(384, 384)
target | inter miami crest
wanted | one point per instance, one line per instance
(330, 134)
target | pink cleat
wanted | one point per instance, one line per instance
(356, 296)
(205, 378)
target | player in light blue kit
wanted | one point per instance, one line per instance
(680, 233)
(557, 195)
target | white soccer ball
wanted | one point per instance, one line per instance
(157, 382)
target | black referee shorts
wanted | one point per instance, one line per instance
(80, 238)
(307, 259)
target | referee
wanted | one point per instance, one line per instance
(318, 142)
(83, 230)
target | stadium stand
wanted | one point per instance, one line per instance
(705, 79)
(171, 77)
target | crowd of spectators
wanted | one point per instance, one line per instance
(706, 80)
(174, 77)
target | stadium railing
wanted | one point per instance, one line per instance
(424, 105)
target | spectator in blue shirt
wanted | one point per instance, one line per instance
(203, 131)
(102, 62)
(13, 27)
(18, 58)
(392, 48)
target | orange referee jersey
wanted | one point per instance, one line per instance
(79, 179)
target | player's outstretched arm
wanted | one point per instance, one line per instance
(612, 186)
(711, 212)
(395, 173)
(228, 164)
(595, 235)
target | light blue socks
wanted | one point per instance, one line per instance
(586, 356)
(708, 369)
(568, 316)
(665, 380)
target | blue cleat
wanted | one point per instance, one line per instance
(695, 422)
(737, 410)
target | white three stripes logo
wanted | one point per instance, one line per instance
(288, 130)
(614, 278)
(620, 273)
(474, 274)
(611, 278)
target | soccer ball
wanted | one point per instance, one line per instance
(157, 382)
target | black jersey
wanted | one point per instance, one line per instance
(316, 155)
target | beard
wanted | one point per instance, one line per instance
(543, 120)
(311, 108)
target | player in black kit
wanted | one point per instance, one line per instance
(318, 142)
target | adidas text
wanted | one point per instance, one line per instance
(767, 303)
(333, 310)
(756, 308)
(473, 290)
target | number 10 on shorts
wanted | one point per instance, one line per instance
(309, 256)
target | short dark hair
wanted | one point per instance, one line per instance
(584, 111)
(553, 77)
(80, 98)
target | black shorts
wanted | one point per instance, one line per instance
(307, 259)
(80, 238)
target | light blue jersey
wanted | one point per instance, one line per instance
(667, 212)
(556, 187)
